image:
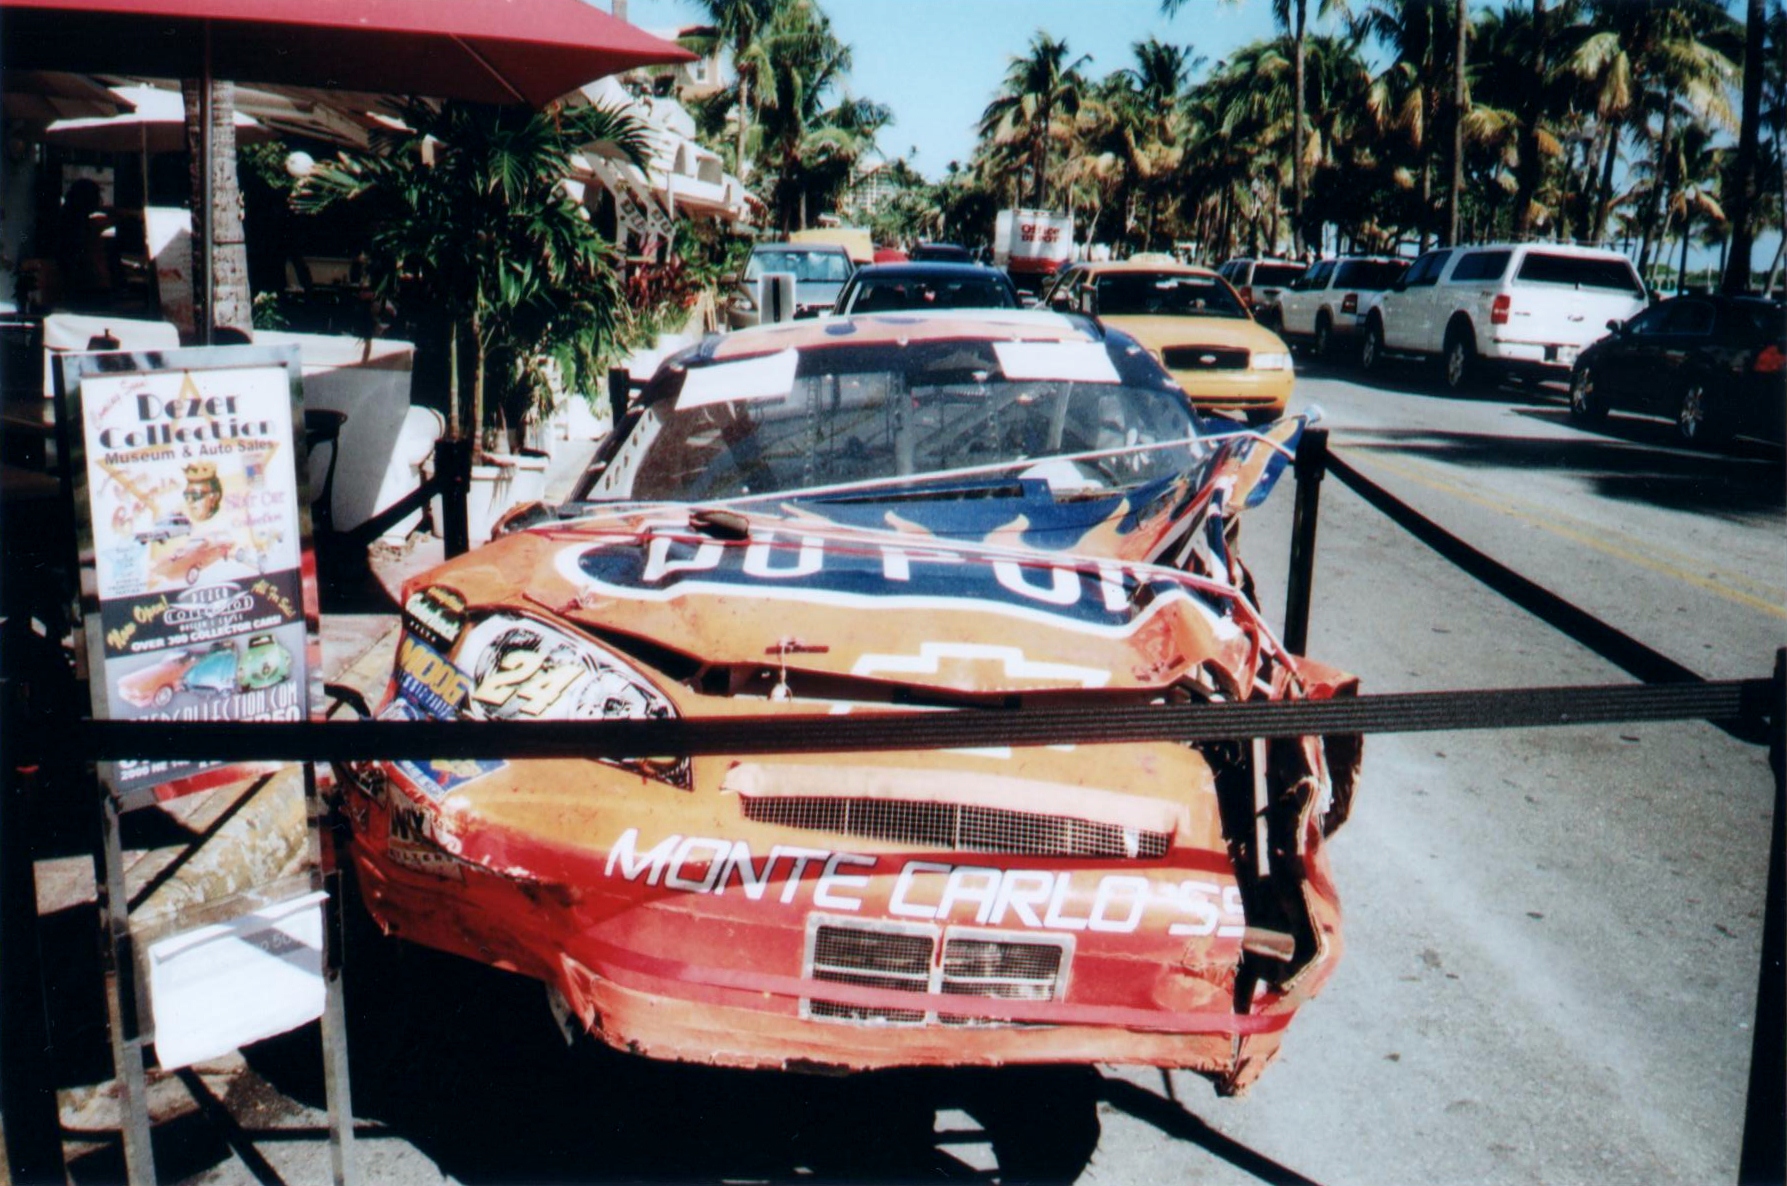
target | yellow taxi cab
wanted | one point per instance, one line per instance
(1193, 322)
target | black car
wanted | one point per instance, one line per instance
(1716, 365)
(887, 288)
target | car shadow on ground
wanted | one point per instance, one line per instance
(1413, 377)
(464, 1063)
(1742, 482)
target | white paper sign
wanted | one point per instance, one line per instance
(221, 987)
(1060, 362)
(768, 377)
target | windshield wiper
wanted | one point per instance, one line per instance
(935, 493)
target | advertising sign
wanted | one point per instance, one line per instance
(187, 467)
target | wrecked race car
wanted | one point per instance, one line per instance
(912, 513)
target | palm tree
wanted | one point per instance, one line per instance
(810, 143)
(1291, 16)
(474, 226)
(1741, 185)
(1036, 86)
(739, 24)
(1407, 98)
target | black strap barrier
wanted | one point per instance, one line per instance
(1740, 705)
(1612, 644)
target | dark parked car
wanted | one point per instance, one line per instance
(940, 253)
(1713, 364)
(886, 288)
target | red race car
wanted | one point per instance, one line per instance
(912, 513)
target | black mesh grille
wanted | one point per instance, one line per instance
(1000, 969)
(871, 959)
(948, 826)
(1204, 358)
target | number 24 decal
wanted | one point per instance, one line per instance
(526, 678)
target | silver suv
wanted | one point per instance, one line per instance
(819, 271)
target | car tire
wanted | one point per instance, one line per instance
(1458, 361)
(1696, 418)
(1587, 406)
(164, 696)
(1371, 350)
(1258, 416)
(1324, 337)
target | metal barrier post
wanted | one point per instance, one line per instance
(1310, 466)
(1764, 1158)
(620, 388)
(30, 1136)
(453, 466)
(125, 1008)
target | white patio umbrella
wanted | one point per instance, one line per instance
(158, 124)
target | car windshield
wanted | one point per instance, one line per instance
(1172, 294)
(825, 267)
(823, 417)
(1369, 275)
(1765, 317)
(974, 292)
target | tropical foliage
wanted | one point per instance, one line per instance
(474, 226)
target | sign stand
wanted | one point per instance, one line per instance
(199, 604)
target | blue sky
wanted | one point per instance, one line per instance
(937, 63)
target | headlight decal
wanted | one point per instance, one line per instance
(520, 669)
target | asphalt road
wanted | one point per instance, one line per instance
(1552, 934)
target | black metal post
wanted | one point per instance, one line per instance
(453, 466)
(620, 389)
(30, 1133)
(1311, 465)
(1765, 1113)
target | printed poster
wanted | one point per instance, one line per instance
(197, 547)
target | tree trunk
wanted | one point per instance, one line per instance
(744, 118)
(222, 297)
(1653, 225)
(1426, 199)
(1455, 197)
(1604, 194)
(1741, 198)
(1042, 160)
(1530, 172)
(479, 351)
(1302, 13)
(453, 408)
(1681, 277)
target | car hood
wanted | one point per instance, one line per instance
(1159, 333)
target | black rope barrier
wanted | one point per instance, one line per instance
(1610, 643)
(1739, 704)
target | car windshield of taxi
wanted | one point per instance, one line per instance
(1132, 294)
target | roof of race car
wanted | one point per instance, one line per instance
(904, 327)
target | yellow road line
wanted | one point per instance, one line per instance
(1547, 523)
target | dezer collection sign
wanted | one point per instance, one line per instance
(191, 509)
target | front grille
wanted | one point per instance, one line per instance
(1000, 968)
(958, 827)
(902, 957)
(895, 957)
(1204, 358)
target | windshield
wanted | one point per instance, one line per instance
(825, 267)
(823, 417)
(974, 292)
(1165, 293)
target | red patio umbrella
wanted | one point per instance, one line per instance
(491, 51)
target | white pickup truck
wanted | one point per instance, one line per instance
(1322, 307)
(1522, 309)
